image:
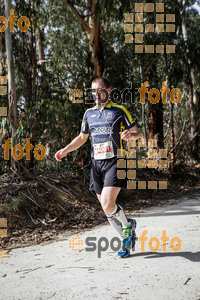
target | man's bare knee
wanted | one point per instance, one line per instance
(107, 206)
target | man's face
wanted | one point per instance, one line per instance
(100, 95)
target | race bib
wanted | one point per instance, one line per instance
(103, 150)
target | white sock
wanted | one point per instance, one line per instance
(118, 219)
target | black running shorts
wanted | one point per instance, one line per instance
(104, 173)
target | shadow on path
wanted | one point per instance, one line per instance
(195, 257)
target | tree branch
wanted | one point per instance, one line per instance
(78, 17)
(182, 132)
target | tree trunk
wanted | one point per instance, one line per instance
(1, 55)
(93, 33)
(172, 154)
(32, 58)
(155, 122)
(95, 47)
(33, 91)
(155, 111)
(193, 100)
(40, 37)
(12, 114)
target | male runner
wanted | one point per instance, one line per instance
(104, 124)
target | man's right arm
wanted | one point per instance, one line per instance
(75, 144)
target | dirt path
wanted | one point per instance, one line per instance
(54, 271)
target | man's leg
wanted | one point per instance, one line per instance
(99, 197)
(108, 198)
(114, 212)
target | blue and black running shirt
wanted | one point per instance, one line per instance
(106, 125)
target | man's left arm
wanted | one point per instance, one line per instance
(131, 132)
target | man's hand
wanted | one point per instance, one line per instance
(74, 145)
(60, 154)
(132, 133)
(126, 135)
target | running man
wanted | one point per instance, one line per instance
(104, 123)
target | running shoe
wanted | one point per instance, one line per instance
(129, 237)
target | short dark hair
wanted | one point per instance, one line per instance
(103, 80)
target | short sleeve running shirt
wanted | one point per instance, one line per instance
(106, 125)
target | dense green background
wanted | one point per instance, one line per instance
(45, 113)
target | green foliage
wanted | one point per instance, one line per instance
(44, 108)
(18, 203)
